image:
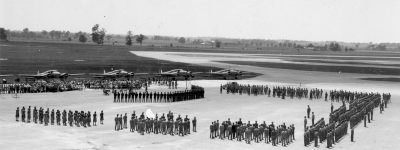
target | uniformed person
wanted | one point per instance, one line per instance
(125, 121)
(94, 119)
(308, 111)
(29, 115)
(101, 117)
(17, 114)
(312, 118)
(116, 123)
(194, 122)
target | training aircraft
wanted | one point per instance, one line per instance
(115, 74)
(177, 73)
(49, 74)
(226, 73)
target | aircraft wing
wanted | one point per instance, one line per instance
(6, 75)
(140, 73)
(32, 75)
(77, 74)
(101, 74)
(197, 72)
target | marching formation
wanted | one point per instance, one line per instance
(277, 91)
(361, 107)
(257, 132)
(163, 125)
(196, 92)
(46, 117)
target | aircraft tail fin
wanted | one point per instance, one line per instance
(104, 71)
(211, 70)
(160, 71)
(38, 72)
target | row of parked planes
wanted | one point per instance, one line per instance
(121, 73)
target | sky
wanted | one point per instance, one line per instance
(312, 20)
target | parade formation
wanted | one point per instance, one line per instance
(163, 125)
(253, 132)
(63, 118)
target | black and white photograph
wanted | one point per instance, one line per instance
(199, 74)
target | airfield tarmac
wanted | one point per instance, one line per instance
(382, 133)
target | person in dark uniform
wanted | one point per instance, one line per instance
(352, 134)
(116, 123)
(52, 117)
(316, 139)
(240, 122)
(29, 115)
(194, 122)
(94, 119)
(372, 114)
(115, 96)
(331, 107)
(305, 123)
(17, 114)
(23, 114)
(308, 111)
(101, 117)
(120, 122)
(118, 97)
(312, 118)
(365, 120)
(125, 121)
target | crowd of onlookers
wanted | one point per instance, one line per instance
(57, 85)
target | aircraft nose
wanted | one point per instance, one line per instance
(56, 73)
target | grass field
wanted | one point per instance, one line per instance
(29, 58)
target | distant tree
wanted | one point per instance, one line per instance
(310, 45)
(351, 49)
(345, 49)
(66, 34)
(3, 35)
(337, 47)
(25, 32)
(140, 39)
(98, 35)
(358, 44)
(217, 44)
(289, 45)
(69, 39)
(44, 33)
(82, 38)
(58, 35)
(381, 47)
(32, 34)
(52, 34)
(280, 44)
(128, 38)
(109, 37)
(294, 44)
(182, 40)
(284, 44)
(171, 45)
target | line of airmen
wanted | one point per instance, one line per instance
(279, 91)
(79, 118)
(157, 97)
(147, 125)
(249, 132)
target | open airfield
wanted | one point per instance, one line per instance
(382, 133)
